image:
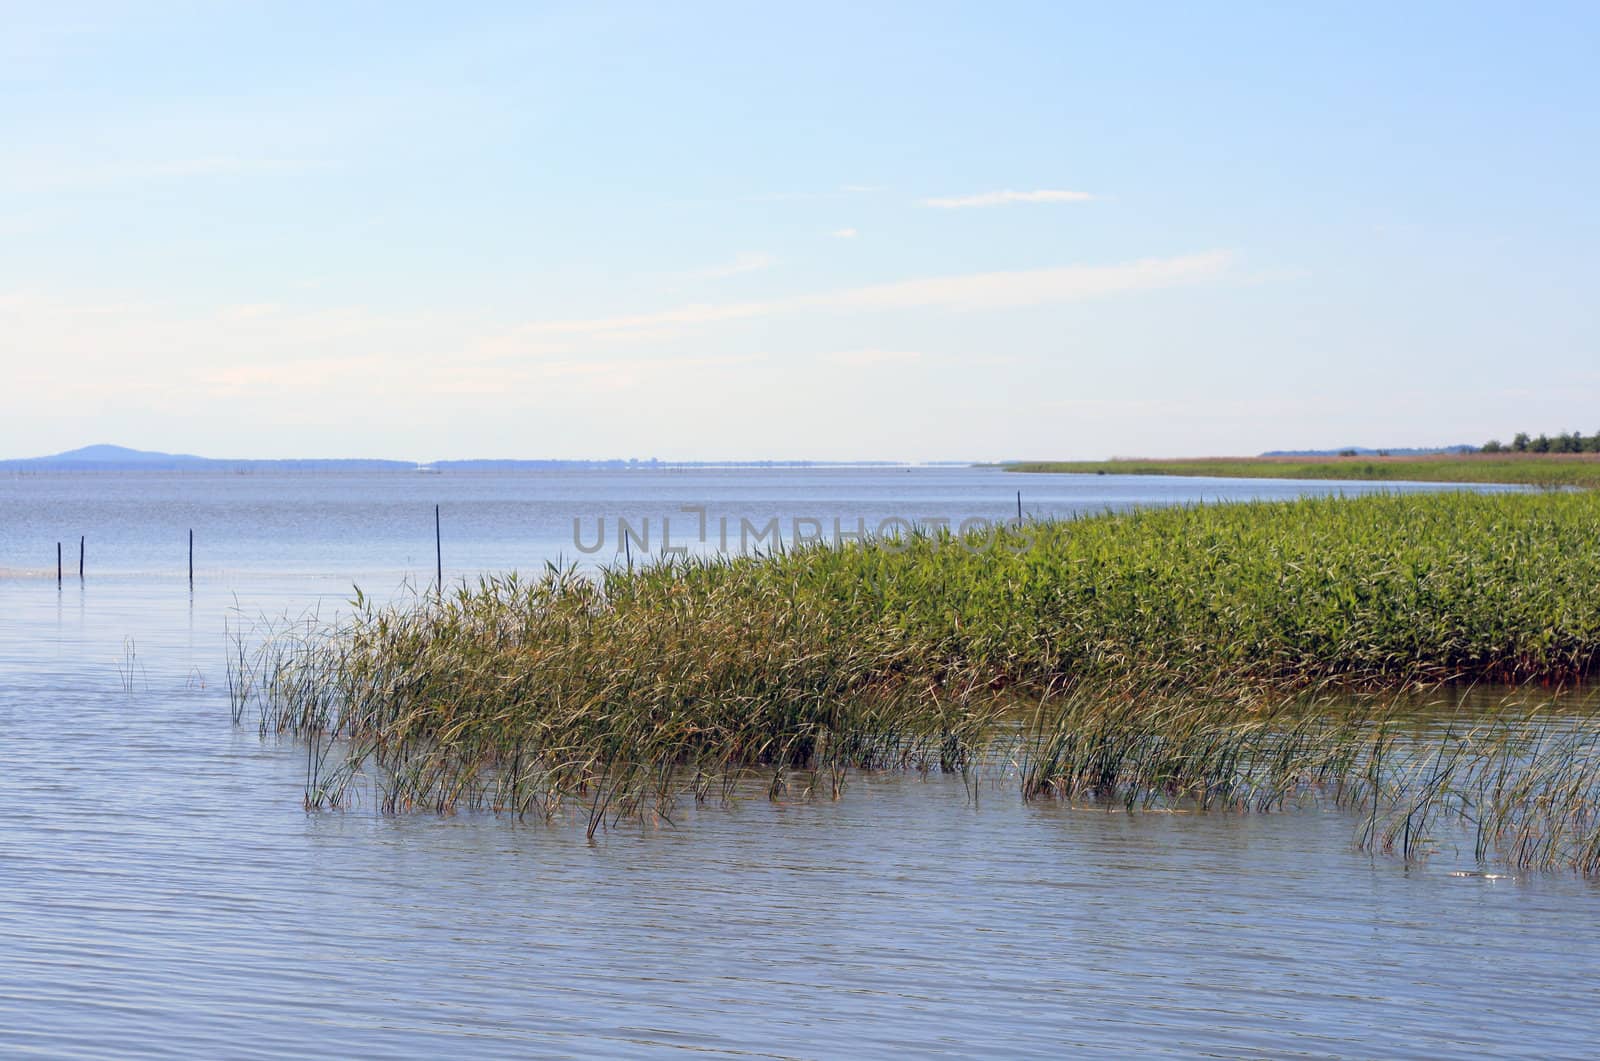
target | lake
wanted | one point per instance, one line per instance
(162, 889)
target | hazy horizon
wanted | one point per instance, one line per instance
(908, 233)
(116, 452)
(130, 455)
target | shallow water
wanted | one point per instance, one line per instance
(162, 891)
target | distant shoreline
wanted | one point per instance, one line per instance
(1512, 469)
(103, 458)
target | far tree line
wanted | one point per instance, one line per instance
(1566, 442)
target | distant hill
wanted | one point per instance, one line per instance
(104, 457)
(104, 454)
(1363, 451)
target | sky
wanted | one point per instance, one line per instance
(919, 231)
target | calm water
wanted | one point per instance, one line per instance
(162, 891)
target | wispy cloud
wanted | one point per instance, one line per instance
(972, 291)
(867, 358)
(1030, 287)
(838, 193)
(250, 311)
(1006, 198)
(259, 351)
(294, 376)
(749, 262)
(844, 233)
(223, 165)
(90, 173)
(591, 374)
(106, 339)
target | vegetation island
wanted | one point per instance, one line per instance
(1241, 656)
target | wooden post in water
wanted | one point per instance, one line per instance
(438, 554)
(191, 558)
(1019, 506)
(58, 565)
(80, 556)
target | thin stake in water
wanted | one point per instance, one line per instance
(80, 556)
(1019, 506)
(438, 554)
(191, 558)
(58, 565)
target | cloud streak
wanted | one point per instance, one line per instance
(285, 361)
(1006, 198)
(968, 292)
(602, 374)
(869, 358)
(91, 173)
(748, 262)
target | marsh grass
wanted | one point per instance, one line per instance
(1199, 657)
(131, 670)
(524, 697)
(1200, 750)
(1508, 784)
(1523, 788)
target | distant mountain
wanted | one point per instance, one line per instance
(104, 457)
(104, 454)
(1363, 451)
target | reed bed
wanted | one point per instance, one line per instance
(1192, 656)
(614, 694)
(1379, 591)
(1510, 784)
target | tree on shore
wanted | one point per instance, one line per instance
(1565, 442)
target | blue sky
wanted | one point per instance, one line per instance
(919, 231)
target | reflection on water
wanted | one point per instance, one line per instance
(161, 888)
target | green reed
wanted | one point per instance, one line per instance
(1176, 655)
(1508, 783)
(525, 696)
(1372, 590)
